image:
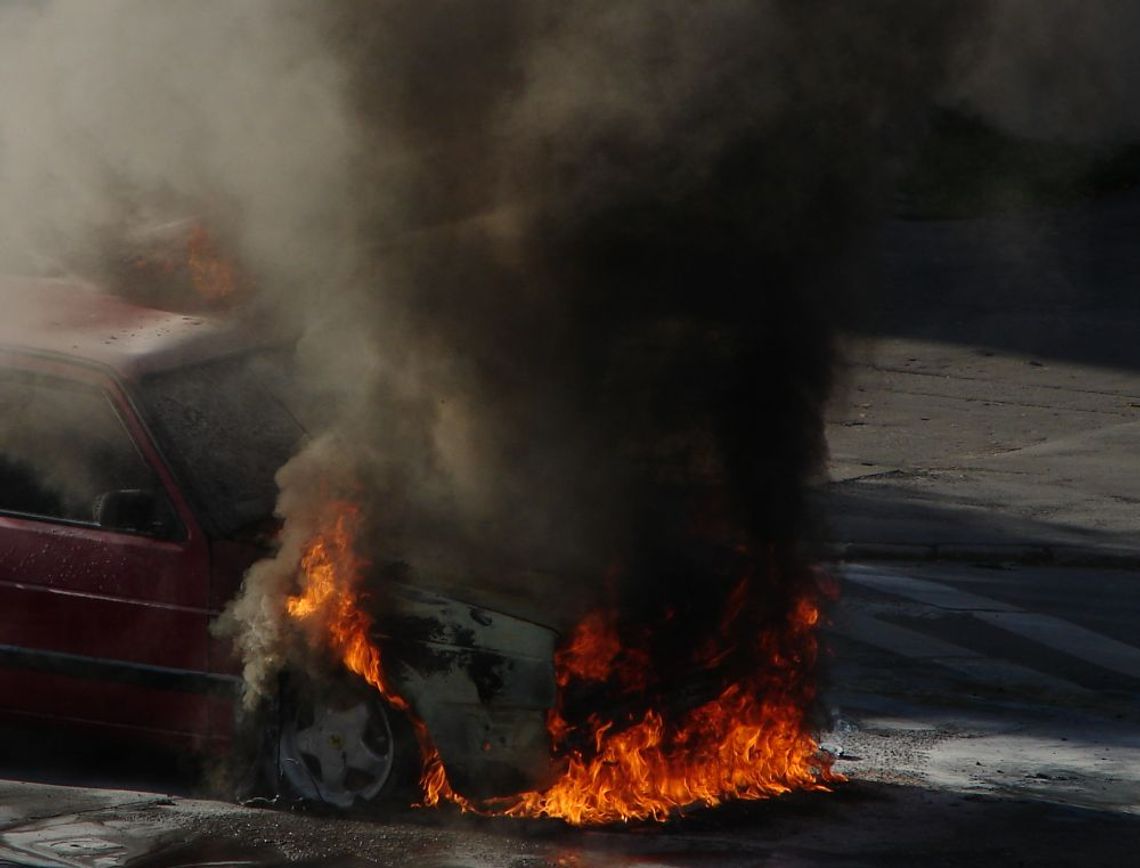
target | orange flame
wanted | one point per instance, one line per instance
(330, 571)
(751, 742)
(183, 264)
(737, 746)
(590, 653)
(213, 277)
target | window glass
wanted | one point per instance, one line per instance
(226, 429)
(64, 451)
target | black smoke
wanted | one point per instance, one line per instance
(627, 234)
(606, 254)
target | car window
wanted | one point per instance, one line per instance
(66, 455)
(225, 430)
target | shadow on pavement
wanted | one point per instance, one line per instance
(880, 515)
(1059, 283)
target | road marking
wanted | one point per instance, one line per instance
(1061, 635)
(911, 643)
(924, 591)
(1102, 651)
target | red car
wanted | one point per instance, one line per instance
(138, 449)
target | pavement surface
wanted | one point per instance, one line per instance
(990, 407)
(959, 451)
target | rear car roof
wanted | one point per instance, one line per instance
(81, 321)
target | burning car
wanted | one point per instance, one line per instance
(138, 449)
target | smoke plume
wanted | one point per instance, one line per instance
(565, 278)
(603, 249)
(124, 114)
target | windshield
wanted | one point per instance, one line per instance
(225, 430)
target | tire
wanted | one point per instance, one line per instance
(341, 747)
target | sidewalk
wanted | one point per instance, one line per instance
(945, 450)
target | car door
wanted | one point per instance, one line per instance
(103, 572)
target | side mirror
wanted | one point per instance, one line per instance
(134, 510)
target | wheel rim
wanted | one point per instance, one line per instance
(338, 755)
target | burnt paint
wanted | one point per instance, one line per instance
(486, 673)
(486, 670)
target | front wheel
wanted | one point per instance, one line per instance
(343, 747)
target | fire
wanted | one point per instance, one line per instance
(328, 602)
(214, 278)
(747, 743)
(182, 264)
(751, 741)
(590, 653)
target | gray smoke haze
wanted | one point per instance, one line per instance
(1052, 69)
(564, 274)
(123, 112)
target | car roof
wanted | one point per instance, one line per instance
(79, 320)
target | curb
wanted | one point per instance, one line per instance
(1034, 555)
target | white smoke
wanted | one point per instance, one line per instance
(118, 111)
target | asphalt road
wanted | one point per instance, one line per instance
(992, 397)
(950, 447)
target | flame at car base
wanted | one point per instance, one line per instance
(752, 741)
(330, 607)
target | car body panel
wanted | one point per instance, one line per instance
(78, 321)
(111, 629)
(482, 681)
(94, 605)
